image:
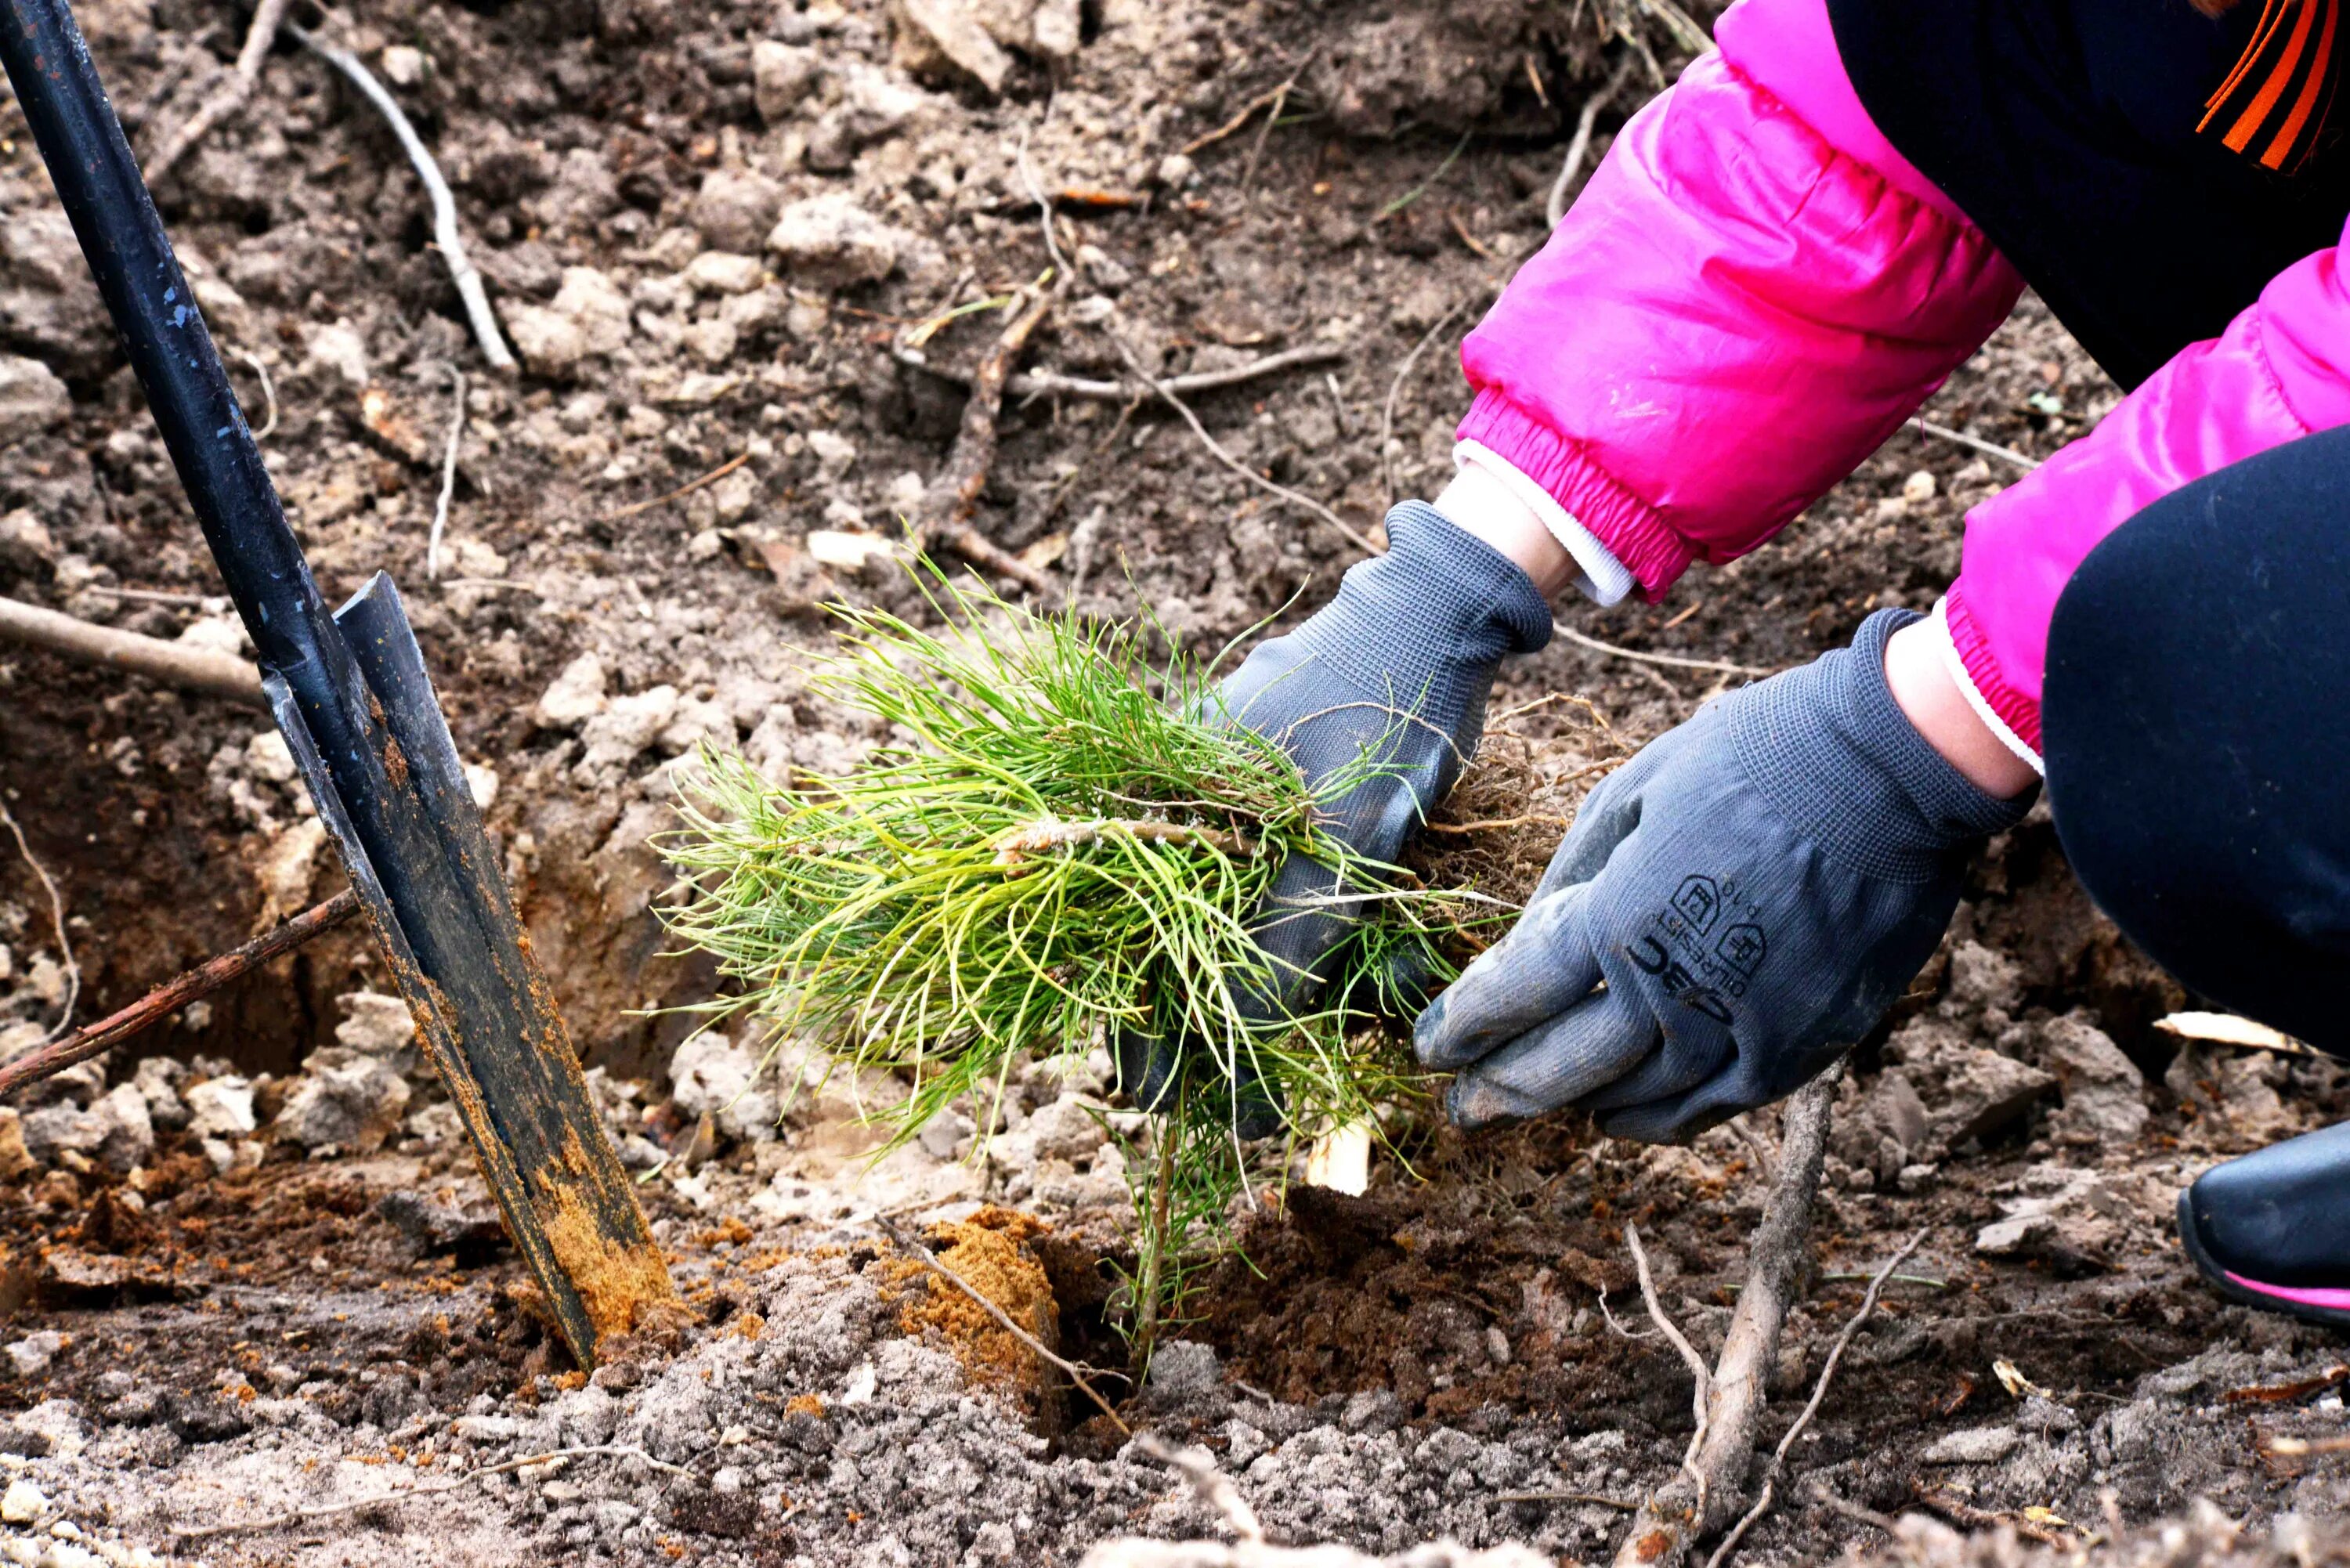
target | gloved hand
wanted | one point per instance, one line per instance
(1731, 909)
(1396, 666)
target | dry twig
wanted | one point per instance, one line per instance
(953, 499)
(165, 1000)
(1166, 396)
(1819, 1392)
(712, 477)
(1403, 371)
(929, 1260)
(336, 1510)
(1977, 443)
(268, 395)
(202, 669)
(1209, 1483)
(241, 81)
(1735, 1391)
(449, 473)
(1673, 661)
(1702, 1395)
(1052, 384)
(57, 918)
(446, 235)
(1577, 150)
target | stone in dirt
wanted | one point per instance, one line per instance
(735, 209)
(830, 242)
(2105, 1098)
(32, 399)
(2068, 1217)
(115, 1131)
(1972, 1445)
(711, 1076)
(945, 38)
(1982, 1092)
(26, 545)
(345, 1101)
(222, 1107)
(376, 1025)
(576, 696)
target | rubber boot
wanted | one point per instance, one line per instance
(2272, 1229)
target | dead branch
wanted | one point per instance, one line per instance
(449, 473)
(1976, 443)
(953, 499)
(1262, 101)
(1210, 1484)
(929, 1260)
(446, 235)
(1819, 1392)
(165, 1000)
(57, 918)
(1694, 1505)
(1273, 117)
(1166, 395)
(1580, 147)
(688, 488)
(1047, 383)
(405, 1494)
(1673, 661)
(234, 94)
(202, 669)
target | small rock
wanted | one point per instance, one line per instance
(781, 76)
(626, 726)
(1069, 1128)
(709, 1076)
(735, 209)
(403, 65)
(25, 544)
(577, 695)
(338, 351)
(221, 1108)
(550, 344)
(1374, 1410)
(726, 272)
(830, 242)
(438, 1227)
(32, 399)
(1183, 1366)
(2105, 1098)
(376, 1025)
(1983, 1092)
(23, 1502)
(592, 302)
(16, 1161)
(344, 1100)
(30, 1356)
(1972, 1445)
(1983, 978)
(945, 38)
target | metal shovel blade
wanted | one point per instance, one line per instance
(482, 1004)
(350, 693)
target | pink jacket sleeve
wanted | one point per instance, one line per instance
(2280, 371)
(1754, 291)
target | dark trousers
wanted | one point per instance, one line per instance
(2196, 722)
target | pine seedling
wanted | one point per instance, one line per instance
(1061, 840)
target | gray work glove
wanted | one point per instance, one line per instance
(1397, 666)
(1734, 907)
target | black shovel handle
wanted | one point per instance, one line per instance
(98, 183)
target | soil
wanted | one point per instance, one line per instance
(313, 1327)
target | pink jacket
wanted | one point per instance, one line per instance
(1755, 290)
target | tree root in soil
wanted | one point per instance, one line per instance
(953, 499)
(1730, 1398)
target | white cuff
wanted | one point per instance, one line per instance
(1604, 579)
(1957, 668)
